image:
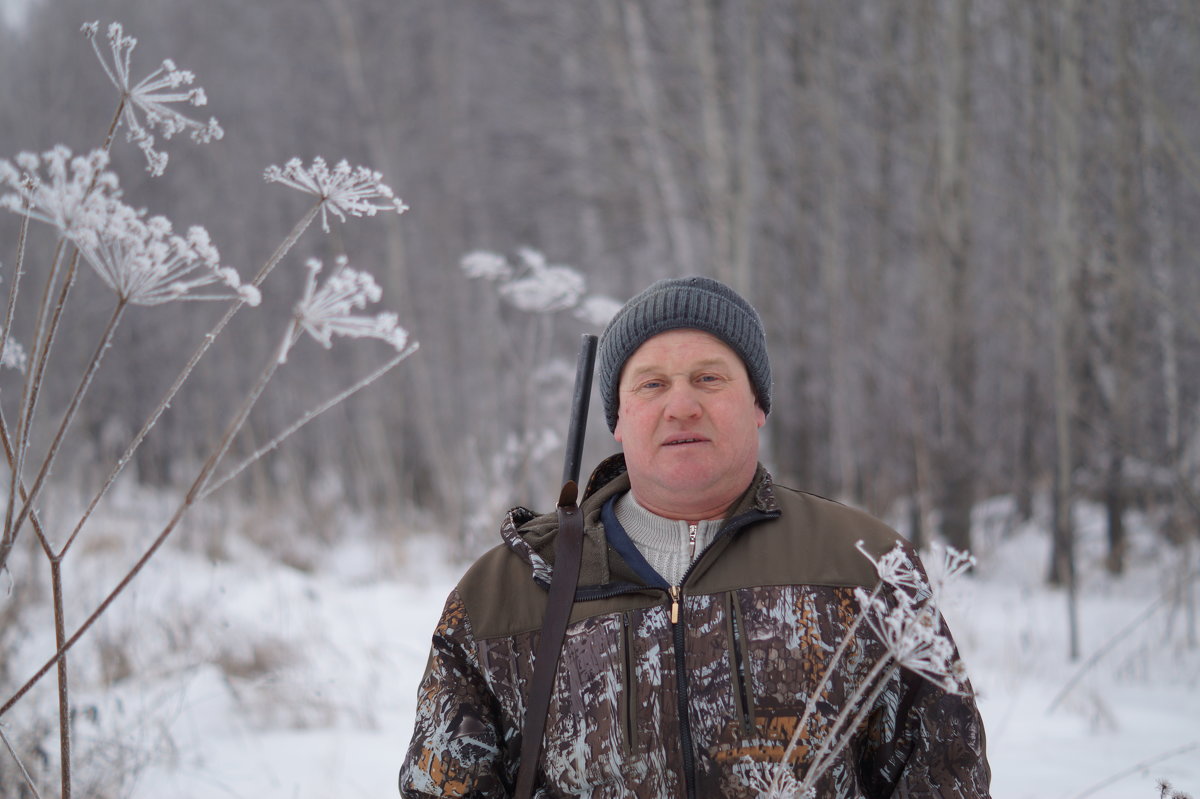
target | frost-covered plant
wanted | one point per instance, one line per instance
(911, 627)
(72, 186)
(13, 356)
(357, 191)
(541, 291)
(144, 262)
(153, 96)
(771, 780)
(329, 310)
(535, 286)
(1167, 791)
(901, 612)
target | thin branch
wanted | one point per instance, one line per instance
(877, 677)
(311, 414)
(112, 128)
(40, 353)
(72, 409)
(189, 499)
(8, 538)
(29, 392)
(34, 518)
(18, 271)
(64, 692)
(205, 342)
(28, 780)
(286, 244)
(1115, 639)
(1134, 769)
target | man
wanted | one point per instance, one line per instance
(710, 604)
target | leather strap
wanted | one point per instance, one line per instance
(568, 549)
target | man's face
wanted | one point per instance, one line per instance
(688, 423)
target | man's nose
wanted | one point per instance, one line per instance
(682, 402)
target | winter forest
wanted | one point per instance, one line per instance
(970, 227)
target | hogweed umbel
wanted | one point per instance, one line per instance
(14, 356)
(909, 626)
(357, 191)
(542, 287)
(771, 780)
(145, 263)
(328, 310)
(535, 286)
(153, 96)
(71, 186)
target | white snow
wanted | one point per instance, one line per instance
(1136, 704)
(249, 678)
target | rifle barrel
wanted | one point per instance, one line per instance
(579, 408)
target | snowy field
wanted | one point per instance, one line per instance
(237, 676)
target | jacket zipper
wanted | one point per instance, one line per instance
(681, 678)
(630, 704)
(739, 673)
(676, 594)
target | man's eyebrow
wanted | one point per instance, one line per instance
(706, 363)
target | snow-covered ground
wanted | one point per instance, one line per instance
(1131, 716)
(237, 676)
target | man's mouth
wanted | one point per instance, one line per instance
(678, 441)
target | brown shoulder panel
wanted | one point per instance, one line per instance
(811, 543)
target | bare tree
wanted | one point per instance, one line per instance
(1066, 259)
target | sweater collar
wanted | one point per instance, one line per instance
(531, 536)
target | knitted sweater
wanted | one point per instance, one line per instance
(668, 545)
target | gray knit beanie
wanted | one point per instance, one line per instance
(699, 303)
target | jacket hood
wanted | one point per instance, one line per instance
(531, 536)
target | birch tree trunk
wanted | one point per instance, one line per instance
(1127, 261)
(745, 223)
(1066, 259)
(1031, 251)
(653, 120)
(578, 143)
(730, 162)
(716, 161)
(958, 465)
(833, 262)
(650, 208)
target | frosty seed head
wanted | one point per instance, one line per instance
(146, 263)
(358, 191)
(486, 265)
(13, 356)
(328, 310)
(535, 286)
(56, 187)
(907, 621)
(152, 97)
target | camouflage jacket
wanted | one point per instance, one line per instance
(688, 691)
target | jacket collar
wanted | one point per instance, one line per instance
(531, 536)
